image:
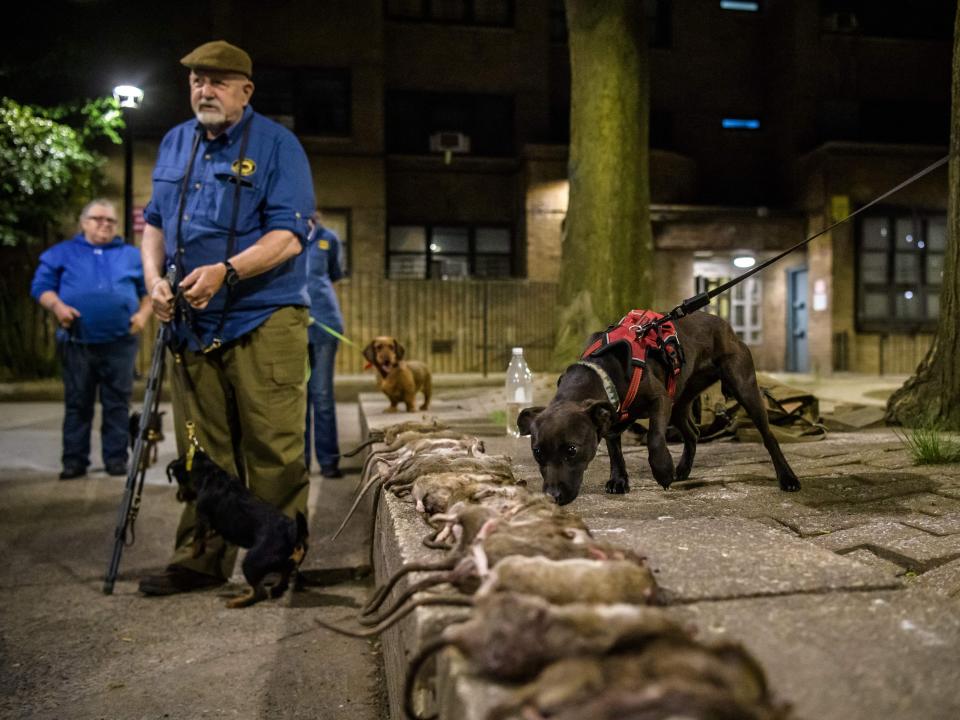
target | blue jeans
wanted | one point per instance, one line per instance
(87, 368)
(320, 403)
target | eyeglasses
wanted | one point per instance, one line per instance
(102, 219)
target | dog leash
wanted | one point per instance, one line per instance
(700, 301)
(331, 331)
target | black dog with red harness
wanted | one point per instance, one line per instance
(645, 366)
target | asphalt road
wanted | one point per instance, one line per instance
(68, 651)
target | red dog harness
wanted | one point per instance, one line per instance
(642, 331)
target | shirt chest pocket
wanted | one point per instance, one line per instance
(167, 182)
(247, 202)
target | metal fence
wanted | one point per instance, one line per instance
(27, 346)
(461, 326)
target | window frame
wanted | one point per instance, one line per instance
(920, 218)
(469, 19)
(747, 294)
(411, 118)
(471, 254)
(299, 93)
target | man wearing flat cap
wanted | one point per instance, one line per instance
(232, 193)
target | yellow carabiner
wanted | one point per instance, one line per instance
(192, 443)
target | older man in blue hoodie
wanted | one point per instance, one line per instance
(93, 285)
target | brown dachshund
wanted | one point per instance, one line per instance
(397, 378)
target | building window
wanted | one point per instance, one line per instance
(900, 270)
(927, 19)
(338, 220)
(746, 310)
(741, 306)
(307, 101)
(448, 252)
(487, 120)
(498, 13)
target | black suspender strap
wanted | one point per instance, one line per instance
(178, 259)
(217, 340)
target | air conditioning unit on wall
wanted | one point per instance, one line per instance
(449, 142)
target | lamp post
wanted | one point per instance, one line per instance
(129, 97)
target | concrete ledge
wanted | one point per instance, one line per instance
(795, 577)
(398, 542)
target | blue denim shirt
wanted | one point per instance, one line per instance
(276, 193)
(103, 282)
(323, 269)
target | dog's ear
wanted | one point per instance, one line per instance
(526, 418)
(177, 471)
(399, 350)
(601, 414)
(369, 353)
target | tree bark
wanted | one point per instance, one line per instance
(607, 244)
(931, 397)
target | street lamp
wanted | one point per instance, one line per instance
(129, 97)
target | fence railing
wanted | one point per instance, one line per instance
(455, 326)
(27, 347)
(462, 326)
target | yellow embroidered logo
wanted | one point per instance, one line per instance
(249, 167)
(324, 244)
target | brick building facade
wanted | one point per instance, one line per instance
(437, 134)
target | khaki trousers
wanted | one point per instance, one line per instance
(247, 400)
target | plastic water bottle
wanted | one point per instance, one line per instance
(519, 387)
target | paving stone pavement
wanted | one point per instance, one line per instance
(848, 590)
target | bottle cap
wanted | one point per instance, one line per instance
(518, 351)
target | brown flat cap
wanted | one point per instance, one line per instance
(219, 55)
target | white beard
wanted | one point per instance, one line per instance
(211, 117)
(212, 120)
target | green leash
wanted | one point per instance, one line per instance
(333, 332)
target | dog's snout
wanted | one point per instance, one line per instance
(554, 494)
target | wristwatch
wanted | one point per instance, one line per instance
(231, 278)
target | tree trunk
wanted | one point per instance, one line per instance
(932, 396)
(607, 245)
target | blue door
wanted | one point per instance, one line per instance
(798, 359)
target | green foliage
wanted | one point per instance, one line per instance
(48, 170)
(47, 165)
(928, 445)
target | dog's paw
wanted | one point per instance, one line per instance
(683, 471)
(391, 409)
(664, 482)
(789, 484)
(618, 486)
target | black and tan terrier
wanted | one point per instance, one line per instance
(275, 544)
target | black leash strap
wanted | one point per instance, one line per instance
(700, 301)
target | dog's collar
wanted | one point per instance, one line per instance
(608, 387)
